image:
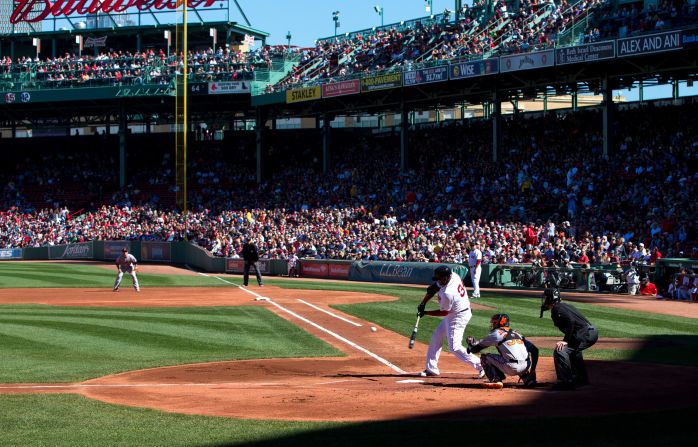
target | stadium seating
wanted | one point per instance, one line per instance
(364, 208)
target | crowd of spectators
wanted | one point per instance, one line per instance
(634, 18)
(552, 194)
(151, 66)
(481, 30)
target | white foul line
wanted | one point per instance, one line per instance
(329, 313)
(325, 330)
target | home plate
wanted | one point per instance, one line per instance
(410, 381)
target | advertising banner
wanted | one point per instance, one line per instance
(83, 250)
(238, 266)
(654, 43)
(462, 70)
(112, 249)
(228, 88)
(234, 265)
(303, 94)
(156, 251)
(197, 88)
(341, 88)
(426, 75)
(340, 271)
(325, 269)
(316, 269)
(10, 253)
(585, 53)
(381, 82)
(398, 272)
(527, 61)
(690, 38)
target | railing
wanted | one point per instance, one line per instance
(74, 74)
(595, 278)
(531, 21)
(425, 56)
(399, 26)
(579, 25)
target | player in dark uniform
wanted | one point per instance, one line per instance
(579, 333)
(250, 254)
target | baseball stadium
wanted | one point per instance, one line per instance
(348, 223)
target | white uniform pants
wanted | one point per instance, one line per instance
(475, 277)
(632, 289)
(120, 275)
(503, 366)
(451, 328)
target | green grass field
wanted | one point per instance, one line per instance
(51, 274)
(63, 344)
(68, 344)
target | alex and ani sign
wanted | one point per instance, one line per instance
(38, 10)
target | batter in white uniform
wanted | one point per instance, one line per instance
(455, 306)
(474, 261)
(126, 263)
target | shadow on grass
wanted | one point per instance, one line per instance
(641, 422)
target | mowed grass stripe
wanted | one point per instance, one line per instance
(50, 347)
(54, 275)
(129, 327)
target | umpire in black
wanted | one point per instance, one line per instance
(580, 334)
(250, 254)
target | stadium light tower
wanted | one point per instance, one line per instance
(429, 6)
(379, 10)
(288, 39)
(335, 18)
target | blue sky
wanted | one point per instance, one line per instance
(311, 19)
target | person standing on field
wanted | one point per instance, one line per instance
(250, 254)
(455, 307)
(126, 263)
(474, 262)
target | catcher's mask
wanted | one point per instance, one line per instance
(550, 297)
(442, 272)
(499, 320)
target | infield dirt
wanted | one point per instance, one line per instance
(353, 388)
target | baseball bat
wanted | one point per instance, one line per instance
(414, 333)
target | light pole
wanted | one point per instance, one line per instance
(288, 39)
(429, 6)
(335, 18)
(379, 10)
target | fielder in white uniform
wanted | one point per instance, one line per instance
(474, 261)
(126, 263)
(455, 306)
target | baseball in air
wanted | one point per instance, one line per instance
(373, 329)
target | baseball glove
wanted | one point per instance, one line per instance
(136, 269)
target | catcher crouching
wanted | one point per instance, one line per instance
(517, 356)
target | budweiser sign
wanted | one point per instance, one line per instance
(38, 10)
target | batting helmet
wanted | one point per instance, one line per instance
(499, 320)
(550, 297)
(440, 272)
